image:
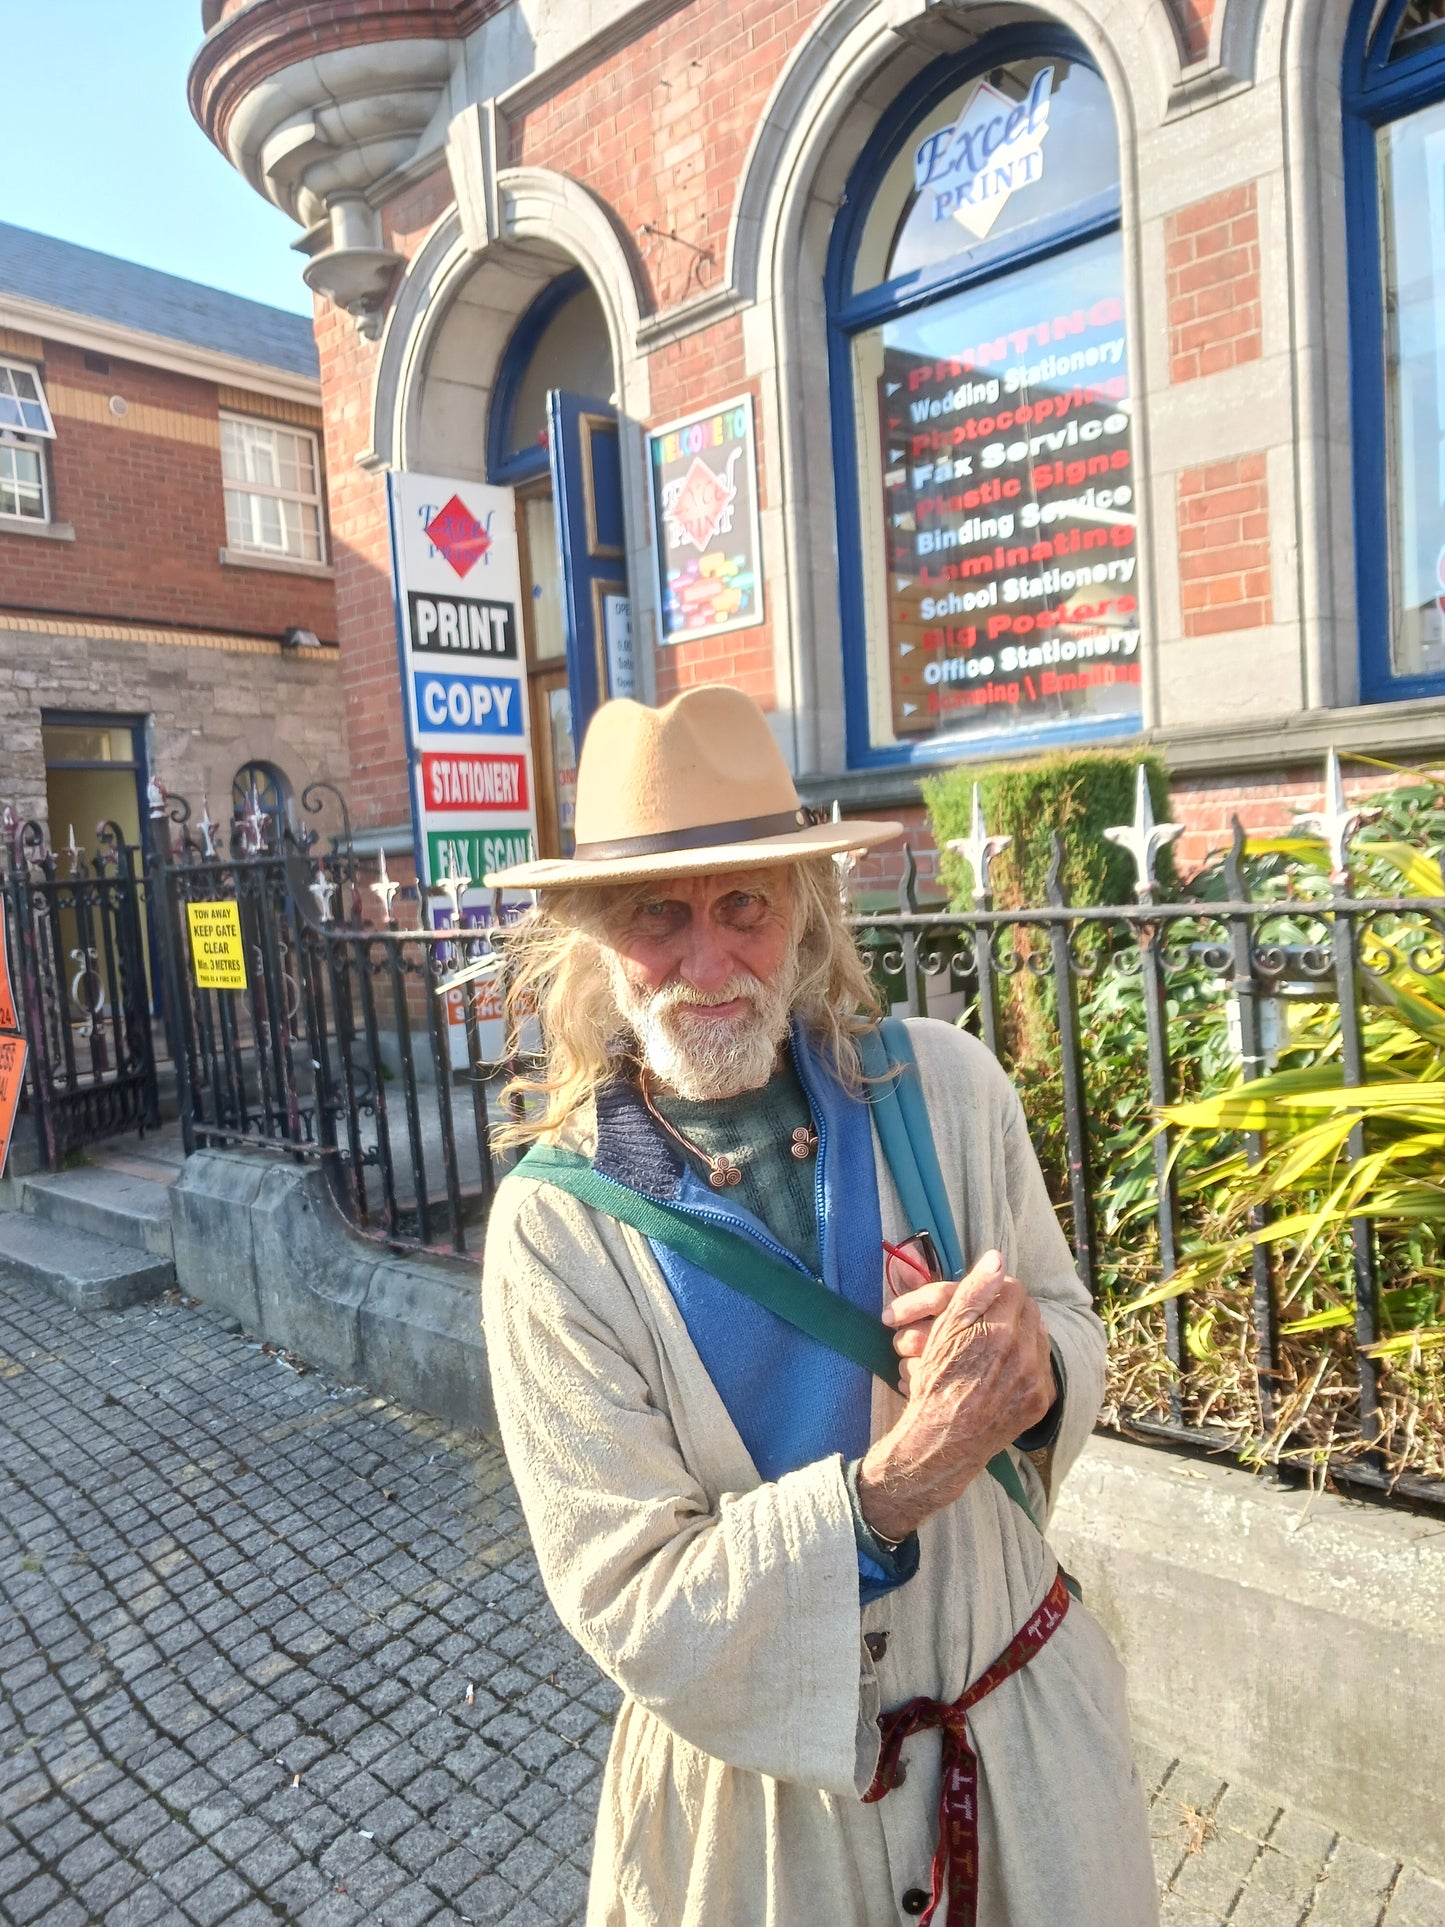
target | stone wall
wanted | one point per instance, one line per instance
(212, 704)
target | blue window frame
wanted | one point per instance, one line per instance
(1394, 138)
(975, 276)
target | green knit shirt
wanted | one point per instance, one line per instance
(755, 1129)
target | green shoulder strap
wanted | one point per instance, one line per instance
(797, 1296)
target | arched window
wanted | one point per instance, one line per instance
(263, 803)
(1394, 94)
(560, 342)
(982, 412)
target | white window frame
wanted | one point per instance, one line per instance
(316, 500)
(8, 518)
(12, 368)
(31, 438)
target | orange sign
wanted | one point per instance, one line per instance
(8, 1019)
(12, 1076)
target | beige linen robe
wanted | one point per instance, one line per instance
(727, 1609)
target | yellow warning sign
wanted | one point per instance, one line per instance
(217, 957)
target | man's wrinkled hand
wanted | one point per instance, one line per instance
(977, 1372)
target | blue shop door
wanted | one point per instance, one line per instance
(592, 543)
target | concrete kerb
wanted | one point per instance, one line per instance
(1292, 1639)
(266, 1243)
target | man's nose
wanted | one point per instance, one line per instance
(705, 963)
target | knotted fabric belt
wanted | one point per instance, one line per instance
(955, 1864)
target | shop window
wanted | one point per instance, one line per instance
(1395, 160)
(982, 413)
(272, 477)
(24, 421)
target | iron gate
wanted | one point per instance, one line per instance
(78, 947)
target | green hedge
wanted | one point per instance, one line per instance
(1077, 792)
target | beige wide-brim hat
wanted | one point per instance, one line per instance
(696, 786)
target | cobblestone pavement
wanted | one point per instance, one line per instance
(273, 1649)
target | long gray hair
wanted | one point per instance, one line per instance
(557, 972)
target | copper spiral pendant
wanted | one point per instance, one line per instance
(805, 1142)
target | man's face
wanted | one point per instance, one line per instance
(703, 970)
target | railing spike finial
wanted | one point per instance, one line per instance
(254, 824)
(1235, 881)
(206, 827)
(1054, 882)
(1335, 822)
(845, 862)
(1144, 838)
(978, 849)
(384, 890)
(322, 891)
(453, 886)
(908, 883)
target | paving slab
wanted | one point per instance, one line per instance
(310, 1753)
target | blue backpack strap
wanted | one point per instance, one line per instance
(884, 1075)
(895, 1096)
(920, 1137)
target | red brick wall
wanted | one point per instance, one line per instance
(1211, 260)
(1224, 546)
(1194, 19)
(145, 498)
(361, 549)
(1207, 806)
(661, 129)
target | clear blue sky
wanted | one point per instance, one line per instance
(102, 148)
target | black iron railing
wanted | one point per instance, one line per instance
(348, 1042)
(377, 1051)
(1244, 959)
(76, 935)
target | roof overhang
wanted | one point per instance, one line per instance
(156, 351)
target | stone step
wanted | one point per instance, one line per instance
(92, 1274)
(126, 1209)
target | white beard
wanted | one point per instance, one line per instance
(704, 1059)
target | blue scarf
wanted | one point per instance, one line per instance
(792, 1399)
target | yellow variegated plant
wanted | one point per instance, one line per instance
(1300, 1198)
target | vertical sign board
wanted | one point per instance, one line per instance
(705, 510)
(464, 696)
(12, 1078)
(12, 1052)
(8, 1018)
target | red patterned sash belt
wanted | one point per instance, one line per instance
(955, 1864)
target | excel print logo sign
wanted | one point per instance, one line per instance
(456, 534)
(995, 147)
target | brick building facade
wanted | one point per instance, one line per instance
(1134, 259)
(162, 531)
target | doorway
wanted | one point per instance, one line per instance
(560, 343)
(554, 754)
(95, 777)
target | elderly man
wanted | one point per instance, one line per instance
(855, 1688)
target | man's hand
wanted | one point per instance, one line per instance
(978, 1373)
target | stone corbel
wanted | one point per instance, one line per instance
(349, 263)
(472, 142)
